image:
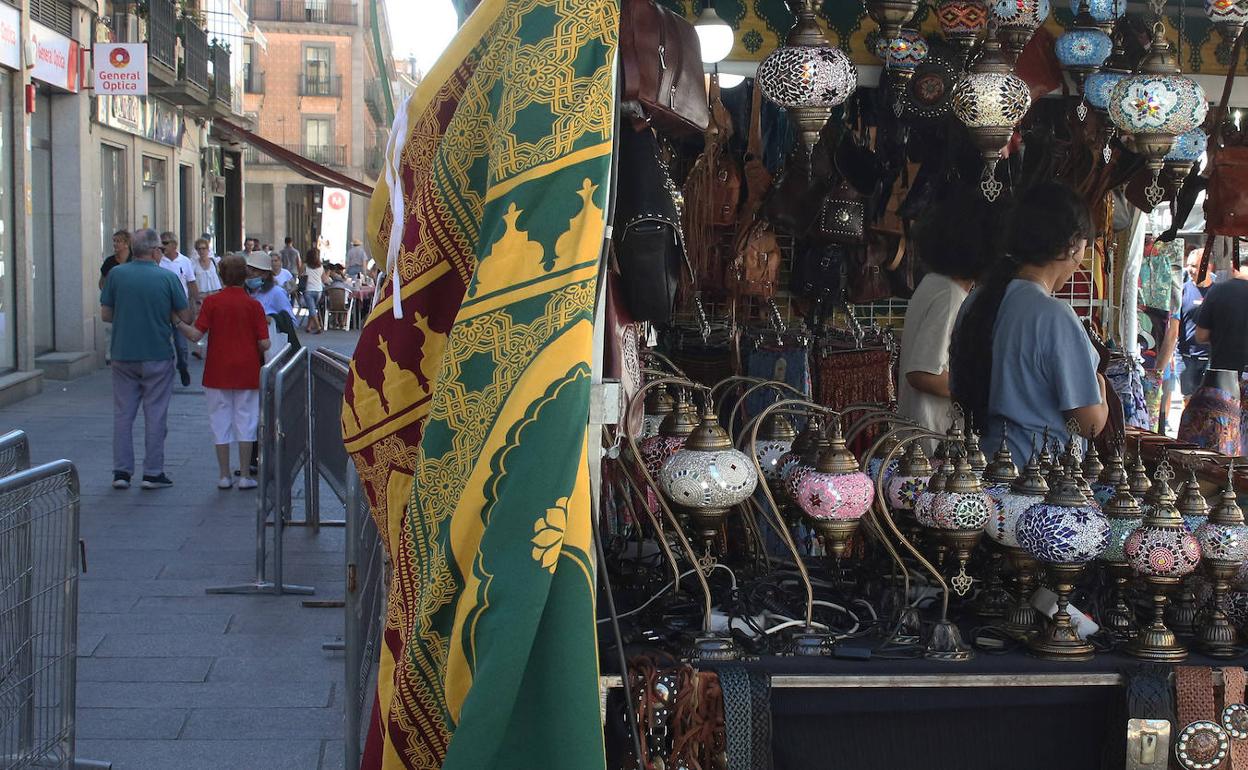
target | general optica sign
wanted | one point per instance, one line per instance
(121, 69)
(56, 58)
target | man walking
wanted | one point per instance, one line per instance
(139, 299)
(1195, 355)
(181, 266)
(357, 258)
(290, 258)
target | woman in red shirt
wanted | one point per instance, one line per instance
(238, 336)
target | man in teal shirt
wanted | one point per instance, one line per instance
(139, 298)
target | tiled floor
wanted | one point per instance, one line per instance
(171, 678)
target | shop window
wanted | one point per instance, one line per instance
(152, 199)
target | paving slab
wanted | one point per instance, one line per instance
(171, 678)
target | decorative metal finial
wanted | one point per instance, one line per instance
(1164, 472)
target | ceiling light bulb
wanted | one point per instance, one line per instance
(715, 36)
(727, 80)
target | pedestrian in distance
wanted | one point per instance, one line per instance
(357, 258)
(139, 298)
(281, 276)
(273, 298)
(120, 256)
(290, 257)
(238, 336)
(180, 265)
(207, 280)
(314, 272)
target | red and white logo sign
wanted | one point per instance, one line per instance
(337, 200)
(121, 69)
(56, 58)
(10, 51)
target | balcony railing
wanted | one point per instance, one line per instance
(194, 67)
(162, 33)
(326, 155)
(375, 101)
(320, 85)
(314, 11)
(222, 88)
(373, 160)
(253, 81)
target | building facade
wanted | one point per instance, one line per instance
(99, 163)
(317, 80)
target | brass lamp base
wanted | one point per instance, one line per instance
(708, 646)
(946, 644)
(1059, 639)
(960, 542)
(1156, 641)
(1181, 614)
(994, 601)
(1022, 621)
(836, 534)
(909, 626)
(1217, 637)
(1119, 619)
(1013, 41)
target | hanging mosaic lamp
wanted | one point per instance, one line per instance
(1163, 552)
(808, 76)
(659, 404)
(1082, 50)
(959, 513)
(1105, 13)
(1185, 151)
(1123, 512)
(676, 427)
(990, 100)
(1098, 86)
(836, 495)
(1027, 490)
(707, 477)
(903, 53)
(924, 499)
(775, 439)
(1065, 533)
(1016, 22)
(890, 15)
(795, 457)
(1223, 547)
(876, 463)
(1230, 15)
(962, 22)
(809, 458)
(1156, 105)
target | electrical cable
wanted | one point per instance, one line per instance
(669, 585)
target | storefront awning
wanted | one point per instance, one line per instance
(294, 160)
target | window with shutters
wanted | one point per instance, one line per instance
(56, 15)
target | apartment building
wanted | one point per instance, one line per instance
(317, 80)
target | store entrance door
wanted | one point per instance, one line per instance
(186, 207)
(42, 240)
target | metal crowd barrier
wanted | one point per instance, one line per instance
(365, 558)
(14, 452)
(38, 611)
(282, 447)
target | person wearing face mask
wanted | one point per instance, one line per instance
(272, 297)
(1020, 359)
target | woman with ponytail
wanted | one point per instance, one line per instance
(1019, 358)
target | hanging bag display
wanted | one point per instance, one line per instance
(1226, 200)
(648, 242)
(843, 216)
(661, 62)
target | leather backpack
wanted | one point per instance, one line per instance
(1226, 199)
(661, 62)
(755, 268)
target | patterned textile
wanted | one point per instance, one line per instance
(1211, 420)
(1243, 415)
(1124, 377)
(789, 365)
(1152, 398)
(467, 404)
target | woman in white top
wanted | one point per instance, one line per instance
(956, 244)
(207, 278)
(315, 273)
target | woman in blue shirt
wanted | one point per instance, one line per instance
(1019, 357)
(272, 297)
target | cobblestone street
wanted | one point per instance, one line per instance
(169, 677)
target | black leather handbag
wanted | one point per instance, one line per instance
(843, 216)
(649, 245)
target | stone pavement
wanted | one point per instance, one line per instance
(170, 678)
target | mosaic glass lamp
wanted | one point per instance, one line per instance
(903, 53)
(1105, 486)
(676, 427)
(775, 439)
(994, 601)
(1105, 13)
(1123, 512)
(1181, 614)
(1162, 551)
(1156, 105)
(890, 15)
(876, 464)
(810, 458)
(808, 76)
(962, 22)
(1082, 50)
(1016, 22)
(1224, 548)
(1185, 151)
(707, 477)
(836, 494)
(990, 100)
(1064, 532)
(1230, 15)
(958, 514)
(795, 458)
(659, 404)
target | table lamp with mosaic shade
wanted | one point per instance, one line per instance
(1124, 514)
(836, 494)
(1162, 551)
(1223, 542)
(1181, 614)
(994, 601)
(1105, 486)
(1028, 490)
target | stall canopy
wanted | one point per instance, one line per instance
(294, 160)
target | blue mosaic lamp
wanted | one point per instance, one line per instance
(1105, 13)
(1156, 105)
(1083, 49)
(1231, 15)
(1105, 484)
(1186, 150)
(1224, 547)
(902, 54)
(1064, 532)
(1017, 21)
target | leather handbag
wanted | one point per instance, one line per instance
(661, 61)
(842, 219)
(755, 269)
(1226, 199)
(649, 246)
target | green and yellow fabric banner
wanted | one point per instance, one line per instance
(466, 409)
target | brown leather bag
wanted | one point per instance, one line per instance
(757, 177)
(1226, 200)
(755, 270)
(661, 62)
